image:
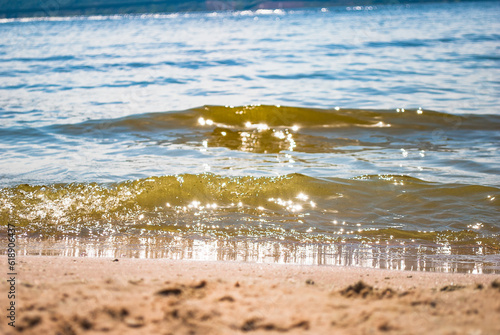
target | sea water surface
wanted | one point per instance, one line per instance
(365, 136)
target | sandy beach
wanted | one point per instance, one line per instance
(66, 295)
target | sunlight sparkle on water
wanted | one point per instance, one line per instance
(477, 226)
(302, 196)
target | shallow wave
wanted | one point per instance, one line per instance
(273, 129)
(399, 209)
(258, 140)
(283, 116)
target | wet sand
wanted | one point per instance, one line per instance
(66, 295)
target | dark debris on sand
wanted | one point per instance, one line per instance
(495, 284)
(451, 288)
(259, 323)
(359, 289)
(169, 291)
(363, 290)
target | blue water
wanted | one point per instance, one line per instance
(442, 57)
(438, 56)
(395, 95)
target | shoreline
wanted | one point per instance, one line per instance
(80, 295)
(417, 257)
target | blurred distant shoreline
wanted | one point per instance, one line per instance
(47, 8)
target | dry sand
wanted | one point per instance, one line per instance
(58, 295)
